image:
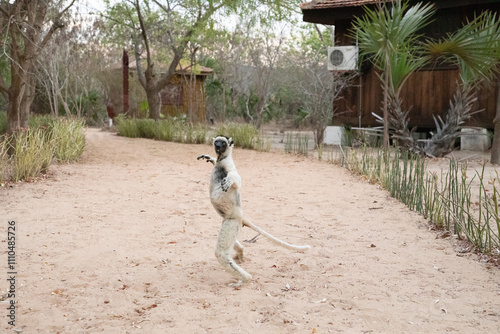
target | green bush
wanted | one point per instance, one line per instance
(179, 130)
(42, 122)
(244, 135)
(164, 130)
(33, 150)
(127, 128)
(146, 128)
(171, 129)
(69, 139)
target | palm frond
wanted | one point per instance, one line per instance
(475, 48)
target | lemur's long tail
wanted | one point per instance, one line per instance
(275, 240)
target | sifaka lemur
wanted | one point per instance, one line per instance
(225, 184)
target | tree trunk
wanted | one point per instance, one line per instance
(319, 135)
(13, 120)
(387, 77)
(27, 100)
(495, 149)
(16, 92)
(223, 103)
(154, 102)
(125, 65)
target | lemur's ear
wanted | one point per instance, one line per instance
(231, 142)
(213, 140)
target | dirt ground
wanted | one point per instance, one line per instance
(123, 242)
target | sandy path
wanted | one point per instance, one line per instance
(123, 242)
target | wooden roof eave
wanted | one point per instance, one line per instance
(328, 15)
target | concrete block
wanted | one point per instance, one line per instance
(475, 140)
(334, 135)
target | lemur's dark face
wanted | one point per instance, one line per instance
(221, 143)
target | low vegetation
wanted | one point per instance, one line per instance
(29, 152)
(166, 130)
(298, 143)
(450, 200)
(244, 136)
(178, 130)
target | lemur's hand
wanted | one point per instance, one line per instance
(207, 157)
(226, 184)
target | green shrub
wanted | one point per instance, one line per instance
(195, 134)
(146, 128)
(41, 122)
(164, 130)
(127, 128)
(69, 139)
(178, 130)
(33, 150)
(244, 136)
(200, 134)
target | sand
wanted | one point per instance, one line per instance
(123, 242)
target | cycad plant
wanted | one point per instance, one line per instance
(389, 36)
(474, 49)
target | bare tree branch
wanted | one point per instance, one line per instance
(55, 26)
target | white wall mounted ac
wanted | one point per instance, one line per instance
(342, 58)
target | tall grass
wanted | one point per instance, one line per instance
(29, 152)
(181, 131)
(128, 128)
(165, 130)
(245, 136)
(33, 150)
(448, 200)
(69, 139)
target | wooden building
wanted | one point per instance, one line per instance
(427, 92)
(186, 93)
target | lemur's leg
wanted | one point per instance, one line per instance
(227, 239)
(238, 247)
(208, 158)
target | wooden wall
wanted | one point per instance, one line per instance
(179, 96)
(426, 93)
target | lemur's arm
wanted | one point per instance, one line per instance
(233, 179)
(208, 158)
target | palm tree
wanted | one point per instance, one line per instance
(474, 49)
(389, 35)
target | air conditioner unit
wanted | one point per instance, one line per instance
(342, 58)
